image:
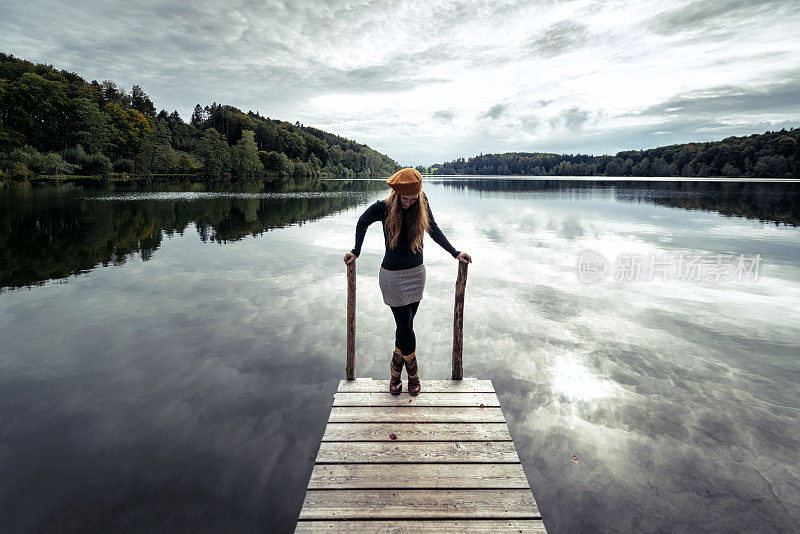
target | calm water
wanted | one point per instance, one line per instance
(169, 358)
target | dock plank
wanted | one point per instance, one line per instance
(444, 526)
(354, 476)
(422, 504)
(416, 432)
(415, 414)
(417, 452)
(368, 385)
(431, 399)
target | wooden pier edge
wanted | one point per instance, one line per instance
(442, 461)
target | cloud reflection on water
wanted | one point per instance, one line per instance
(679, 397)
(195, 386)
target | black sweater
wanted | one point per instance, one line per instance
(401, 256)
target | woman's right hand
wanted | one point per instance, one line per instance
(349, 258)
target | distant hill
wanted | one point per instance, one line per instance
(770, 155)
(55, 122)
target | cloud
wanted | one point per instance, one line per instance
(776, 96)
(700, 14)
(571, 119)
(398, 74)
(495, 111)
(444, 114)
(529, 122)
(560, 38)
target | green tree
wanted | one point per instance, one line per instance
(141, 102)
(125, 166)
(215, 153)
(129, 129)
(244, 156)
(642, 168)
(88, 126)
(199, 116)
(29, 157)
(731, 171)
(186, 163)
(96, 164)
(55, 164)
(295, 145)
(113, 94)
(771, 167)
(275, 162)
(156, 152)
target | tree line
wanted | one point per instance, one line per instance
(53, 122)
(769, 155)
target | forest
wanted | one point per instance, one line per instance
(767, 155)
(55, 123)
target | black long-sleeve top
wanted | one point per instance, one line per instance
(401, 256)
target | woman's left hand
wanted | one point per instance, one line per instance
(466, 258)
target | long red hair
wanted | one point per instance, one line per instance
(419, 220)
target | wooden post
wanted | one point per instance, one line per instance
(351, 321)
(458, 321)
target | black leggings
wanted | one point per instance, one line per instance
(405, 340)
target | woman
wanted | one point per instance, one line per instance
(405, 215)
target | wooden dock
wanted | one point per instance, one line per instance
(442, 461)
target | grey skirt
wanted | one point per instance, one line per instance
(402, 287)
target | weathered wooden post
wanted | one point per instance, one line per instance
(458, 321)
(351, 321)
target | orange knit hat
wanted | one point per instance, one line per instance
(406, 181)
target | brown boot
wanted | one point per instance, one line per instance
(412, 369)
(396, 369)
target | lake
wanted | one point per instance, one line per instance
(169, 354)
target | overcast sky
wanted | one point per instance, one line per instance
(429, 81)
